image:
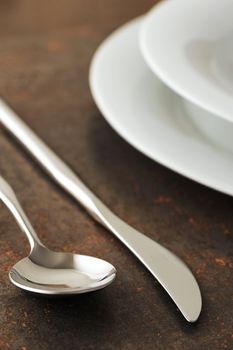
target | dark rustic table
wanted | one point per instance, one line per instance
(45, 51)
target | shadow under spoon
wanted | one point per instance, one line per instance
(48, 272)
(167, 268)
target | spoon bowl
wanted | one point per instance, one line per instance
(72, 274)
(53, 273)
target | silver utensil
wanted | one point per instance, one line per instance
(170, 271)
(48, 272)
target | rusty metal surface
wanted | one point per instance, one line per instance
(45, 50)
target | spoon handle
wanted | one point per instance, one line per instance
(9, 198)
(172, 274)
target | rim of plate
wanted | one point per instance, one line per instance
(159, 157)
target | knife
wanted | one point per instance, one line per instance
(167, 268)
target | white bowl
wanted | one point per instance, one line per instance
(188, 44)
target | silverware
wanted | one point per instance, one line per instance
(48, 272)
(170, 271)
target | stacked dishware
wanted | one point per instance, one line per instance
(165, 83)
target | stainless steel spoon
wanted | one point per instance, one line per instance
(48, 272)
(170, 271)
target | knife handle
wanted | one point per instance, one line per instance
(68, 180)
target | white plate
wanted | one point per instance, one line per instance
(189, 45)
(150, 116)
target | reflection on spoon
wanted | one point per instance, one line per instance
(48, 272)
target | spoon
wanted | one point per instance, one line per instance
(47, 272)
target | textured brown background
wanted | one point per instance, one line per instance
(45, 51)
